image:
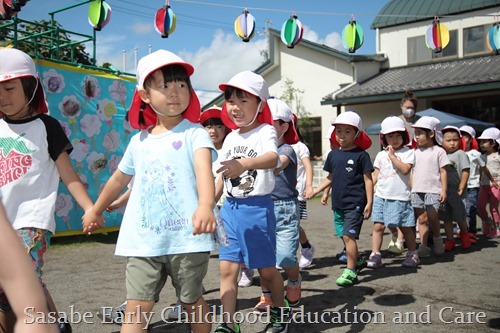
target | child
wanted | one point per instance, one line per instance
(286, 206)
(20, 283)
(304, 185)
(490, 185)
(391, 203)
(476, 164)
(38, 143)
(350, 175)
(169, 218)
(457, 175)
(250, 155)
(429, 182)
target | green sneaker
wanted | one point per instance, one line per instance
(360, 264)
(348, 278)
(226, 329)
(280, 319)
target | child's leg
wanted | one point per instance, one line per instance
(198, 319)
(482, 202)
(494, 201)
(272, 279)
(423, 228)
(135, 314)
(433, 219)
(351, 248)
(471, 208)
(377, 236)
(229, 288)
(448, 229)
(409, 236)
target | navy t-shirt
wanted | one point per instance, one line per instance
(286, 180)
(348, 185)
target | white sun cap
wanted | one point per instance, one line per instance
(469, 130)
(491, 133)
(392, 124)
(250, 82)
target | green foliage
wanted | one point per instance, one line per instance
(292, 96)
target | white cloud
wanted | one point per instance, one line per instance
(333, 39)
(142, 28)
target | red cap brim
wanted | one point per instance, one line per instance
(264, 117)
(210, 114)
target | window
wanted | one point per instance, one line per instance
(475, 39)
(310, 129)
(418, 51)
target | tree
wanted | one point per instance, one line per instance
(292, 96)
(41, 39)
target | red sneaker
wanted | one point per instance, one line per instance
(449, 245)
(465, 239)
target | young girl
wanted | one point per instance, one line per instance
(391, 203)
(429, 182)
(490, 189)
(169, 217)
(34, 157)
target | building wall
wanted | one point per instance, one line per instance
(392, 40)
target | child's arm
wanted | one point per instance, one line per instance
(284, 163)
(234, 168)
(20, 284)
(367, 176)
(463, 181)
(219, 188)
(72, 181)
(487, 173)
(110, 192)
(203, 217)
(401, 166)
(306, 161)
(375, 176)
(122, 200)
(324, 184)
(444, 184)
(324, 197)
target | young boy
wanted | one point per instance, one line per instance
(169, 218)
(429, 182)
(249, 157)
(458, 174)
(350, 176)
(286, 206)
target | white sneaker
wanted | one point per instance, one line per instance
(177, 312)
(306, 257)
(246, 278)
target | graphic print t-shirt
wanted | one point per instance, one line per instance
(158, 217)
(251, 144)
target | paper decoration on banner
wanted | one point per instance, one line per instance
(352, 36)
(493, 38)
(99, 14)
(437, 36)
(292, 31)
(9, 8)
(165, 20)
(244, 26)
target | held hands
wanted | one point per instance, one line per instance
(92, 221)
(231, 168)
(203, 220)
(309, 192)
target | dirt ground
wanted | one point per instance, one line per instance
(458, 291)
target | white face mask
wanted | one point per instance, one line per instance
(408, 113)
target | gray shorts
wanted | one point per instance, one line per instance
(425, 201)
(146, 276)
(453, 209)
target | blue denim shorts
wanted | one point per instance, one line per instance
(393, 213)
(287, 232)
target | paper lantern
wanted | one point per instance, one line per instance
(99, 14)
(352, 36)
(244, 26)
(292, 31)
(493, 38)
(165, 20)
(437, 36)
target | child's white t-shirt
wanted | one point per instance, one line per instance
(492, 162)
(301, 151)
(254, 143)
(391, 183)
(475, 163)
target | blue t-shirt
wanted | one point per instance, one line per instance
(286, 180)
(348, 185)
(158, 217)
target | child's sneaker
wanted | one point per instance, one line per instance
(411, 260)
(438, 246)
(449, 245)
(225, 329)
(116, 314)
(246, 278)
(265, 303)
(341, 256)
(465, 239)
(375, 260)
(395, 246)
(348, 278)
(424, 251)
(177, 312)
(306, 256)
(492, 233)
(360, 264)
(279, 319)
(294, 292)
(487, 226)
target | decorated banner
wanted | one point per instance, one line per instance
(91, 107)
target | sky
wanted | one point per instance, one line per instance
(204, 34)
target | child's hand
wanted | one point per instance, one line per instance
(231, 168)
(324, 198)
(203, 220)
(309, 192)
(92, 221)
(442, 197)
(115, 205)
(390, 151)
(367, 212)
